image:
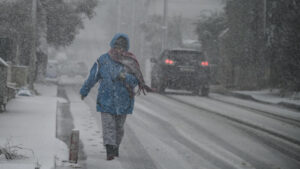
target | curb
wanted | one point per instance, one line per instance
(249, 97)
(290, 105)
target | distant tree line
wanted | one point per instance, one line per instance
(15, 24)
(153, 31)
(254, 44)
(283, 43)
(58, 20)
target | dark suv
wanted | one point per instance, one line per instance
(181, 69)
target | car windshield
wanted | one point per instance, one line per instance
(185, 56)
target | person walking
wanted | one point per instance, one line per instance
(118, 73)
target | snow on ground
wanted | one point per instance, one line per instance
(272, 96)
(164, 155)
(176, 135)
(259, 106)
(30, 123)
(212, 137)
(90, 133)
(167, 155)
(66, 80)
(243, 115)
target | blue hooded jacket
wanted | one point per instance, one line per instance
(113, 97)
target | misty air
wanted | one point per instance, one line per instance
(149, 84)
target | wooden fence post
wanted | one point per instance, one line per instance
(74, 146)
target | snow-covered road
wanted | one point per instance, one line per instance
(189, 132)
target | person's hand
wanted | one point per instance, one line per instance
(82, 97)
(122, 76)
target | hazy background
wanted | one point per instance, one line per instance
(94, 39)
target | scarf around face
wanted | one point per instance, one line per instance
(132, 66)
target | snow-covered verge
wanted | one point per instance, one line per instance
(272, 97)
(90, 132)
(66, 80)
(29, 123)
(268, 96)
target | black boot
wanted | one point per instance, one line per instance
(109, 152)
(116, 151)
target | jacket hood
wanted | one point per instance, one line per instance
(118, 35)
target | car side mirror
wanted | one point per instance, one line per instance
(153, 60)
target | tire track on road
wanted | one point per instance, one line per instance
(287, 120)
(171, 132)
(292, 153)
(242, 122)
(218, 140)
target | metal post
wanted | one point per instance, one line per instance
(119, 16)
(74, 146)
(165, 25)
(17, 56)
(133, 24)
(265, 16)
(32, 64)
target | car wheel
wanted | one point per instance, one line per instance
(204, 91)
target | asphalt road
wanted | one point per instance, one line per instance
(182, 131)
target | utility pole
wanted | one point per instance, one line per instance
(32, 64)
(165, 25)
(265, 17)
(119, 15)
(133, 24)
